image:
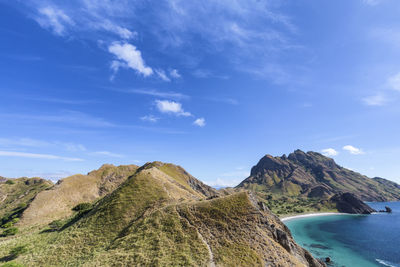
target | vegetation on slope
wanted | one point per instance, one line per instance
(312, 175)
(162, 216)
(15, 196)
(57, 202)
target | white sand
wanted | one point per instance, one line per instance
(312, 215)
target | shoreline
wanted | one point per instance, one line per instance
(288, 218)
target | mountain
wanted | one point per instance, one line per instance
(158, 216)
(313, 175)
(57, 202)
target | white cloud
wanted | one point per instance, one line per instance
(122, 32)
(174, 73)
(36, 156)
(150, 118)
(201, 122)
(26, 142)
(394, 82)
(375, 100)
(29, 142)
(106, 154)
(329, 152)
(128, 57)
(54, 19)
(227, 100)
(172, 107)
(353, 150)
(162, 75)
(152, 92)
(66, 117)
(73, 147)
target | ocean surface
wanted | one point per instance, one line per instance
(352, 240)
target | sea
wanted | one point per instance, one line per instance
(352, 240)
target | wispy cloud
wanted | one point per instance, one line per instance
(163, 76)
(171, 107)
(204, 74)
(174, 73)
(249, 31)
(226, 100)
(22, 57)
(55, 19)
(36, 156)
(376, 100)
(62, 100)
(70, 17)
(106, 154)
(66, 117)
(353, 150)
(29, 142)
(153, 92)
(150, 118)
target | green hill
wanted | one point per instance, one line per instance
(57, 202)
(160, 216)
(15, 197)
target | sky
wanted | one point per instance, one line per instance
(209, 85)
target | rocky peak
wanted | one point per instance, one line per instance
(270, 163)
(311, 159)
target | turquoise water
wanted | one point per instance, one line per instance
(352, 240)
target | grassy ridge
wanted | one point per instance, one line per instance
(158, 217)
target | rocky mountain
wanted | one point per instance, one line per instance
(313, 175)
(158, 216)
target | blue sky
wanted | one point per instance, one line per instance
(209, 85)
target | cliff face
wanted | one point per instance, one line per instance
(163, 216)
(316, 176)
(348, 203)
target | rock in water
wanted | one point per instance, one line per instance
(349, 203)
(388, 209)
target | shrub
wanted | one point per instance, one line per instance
(7, 224)
(56, 225)
(16, 251)
(82, 206)
(10, 182)
(9, 231)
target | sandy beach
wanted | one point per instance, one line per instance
(283, 219)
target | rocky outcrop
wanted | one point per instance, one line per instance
(349, 203)
(316, 176)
